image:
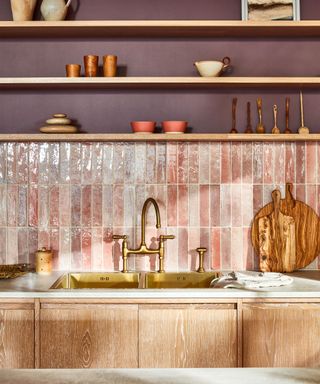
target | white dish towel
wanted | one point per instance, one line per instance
(251, 280)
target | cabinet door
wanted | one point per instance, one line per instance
(17, 335)
(187, 336)
(88, 336)
(281, 335)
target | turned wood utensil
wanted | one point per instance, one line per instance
(249, 126)
(287, 130)
(302, 130)
(260, 127)
(275, 129)
(234, 109)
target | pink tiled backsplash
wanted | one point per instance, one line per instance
(72, 197)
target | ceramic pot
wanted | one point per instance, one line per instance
(174, 126)
(212, 68)
(22, 10)
(143, 126)
(54, 10)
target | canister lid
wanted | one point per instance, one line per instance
(44, 250)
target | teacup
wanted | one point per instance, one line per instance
(212, 68)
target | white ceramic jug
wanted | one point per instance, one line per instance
(22, 10)
(54, 10)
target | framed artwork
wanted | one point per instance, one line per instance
(267, 10)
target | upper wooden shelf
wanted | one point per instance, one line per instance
(159, 28)
(158, 82)
(160, 137)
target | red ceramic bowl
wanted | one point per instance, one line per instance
(174, 126)
(143, 126)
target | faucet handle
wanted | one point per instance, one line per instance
(119, 237)
(201, 251)
(166, 237)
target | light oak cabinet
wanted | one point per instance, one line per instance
(17, 335)
(281, 335)
(187, 335)
(88, 336)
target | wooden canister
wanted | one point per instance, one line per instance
(44, 261)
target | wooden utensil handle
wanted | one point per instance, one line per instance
(287, 112)
(259, 105)
(234, 108)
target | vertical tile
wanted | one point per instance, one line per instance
(54, 163)
(193, 162)
(96, 249)
(23, 251)
(53, 239)
(129, 204)
(205, 241)
(12, 204)
(226, 164)
(215, 163)
(118, 163)
(86, 240)
(43, 196)
(172, 166)
(161, 162)
(107, 200)
(247, 249)
(171, 262)
(97, 163)
(3, 162)
(183, 206)
(172, 205)
(75, 163)
(107, 249)
(11, 163)
(236, 165)
(116, 250)
(151, 164)
(225, 248)
(22, 157)
(236, 205)
(225, 219)
(65, 163)
(257, 198)
(33, 206)
(258, 161)
(54, 206)
(12, 246)
(65, 249)
(43, 163)
(75, 205)
(33, 162)
(22, 219)
(215, 249)
(3, 248)
(129, 161)
(311, 163)
(3, 205)
(194, 242)
(300, 163)
(279, 163)
(86, 163)
(183, 168)
(86, 206)
(204, 160)
(107, 163)
(32, 244)
(204, 206)
(268, 163)
(140, 163)
(194, 205)
(118, 201)
(215, 205)
(76, 257)
(247, 163)
(237, 262)
(65, 204)
(311, 196)
(183, 249)
(247, 204)
(290, 163)
(97, 205)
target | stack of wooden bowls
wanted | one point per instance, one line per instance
(59, 123)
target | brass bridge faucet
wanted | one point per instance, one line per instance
(143, 249)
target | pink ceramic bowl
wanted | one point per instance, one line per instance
(143, 126)
(174, 126)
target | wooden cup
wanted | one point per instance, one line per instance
(44, 261)
(91, 65)
(110, 65)
(73, 70)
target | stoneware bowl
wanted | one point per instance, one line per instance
(143, 126)
(212, 68)
(174, 126)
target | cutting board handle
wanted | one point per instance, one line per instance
(290, 201)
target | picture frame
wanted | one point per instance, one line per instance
(270, 10)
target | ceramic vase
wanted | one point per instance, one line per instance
(54, 10)
(22, 10)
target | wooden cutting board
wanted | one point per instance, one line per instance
(285, 234)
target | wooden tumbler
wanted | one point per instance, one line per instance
(91, 65)
(44, 261)
(73, 70)
(110, 65)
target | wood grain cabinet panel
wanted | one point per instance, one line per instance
(16, 336)
(281, 335)
(88, 336)
(187, 336)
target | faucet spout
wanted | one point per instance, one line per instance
(143, 218)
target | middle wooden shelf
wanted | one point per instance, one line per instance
(158, 82)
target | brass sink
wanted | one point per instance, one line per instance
(100, 280)
(180, 279)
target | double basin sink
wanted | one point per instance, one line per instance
(134, 280)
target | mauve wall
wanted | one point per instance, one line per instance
(73, 197)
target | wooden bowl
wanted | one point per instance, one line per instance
(143, 126)
(174, 126)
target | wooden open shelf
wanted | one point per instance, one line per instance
(158, 82)
(159, 28)
(130, 137)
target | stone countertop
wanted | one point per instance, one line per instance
(163, 376)
(306, 284)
